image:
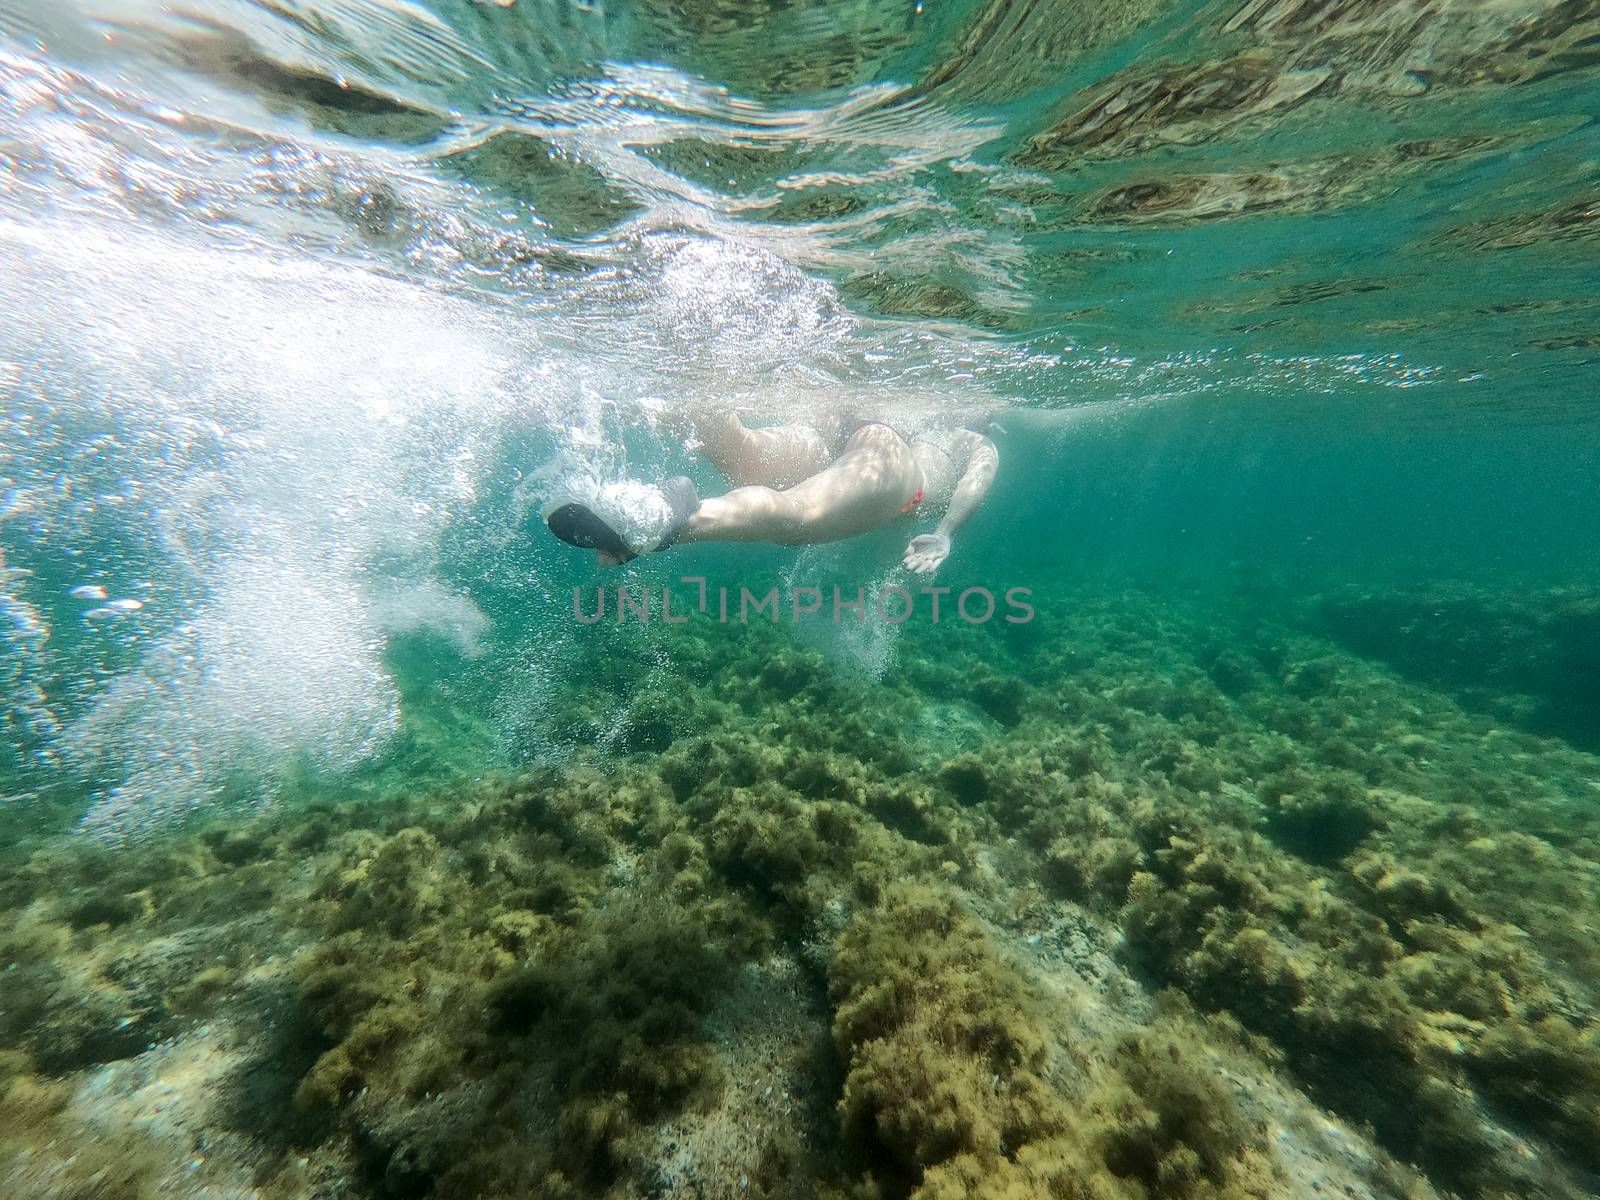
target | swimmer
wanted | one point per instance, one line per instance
(791, 487)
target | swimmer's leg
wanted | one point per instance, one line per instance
(779, 456)
(867, 486)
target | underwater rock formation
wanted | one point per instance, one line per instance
(572, 981)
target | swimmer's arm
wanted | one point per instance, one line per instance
(927, 551)
(973, 486)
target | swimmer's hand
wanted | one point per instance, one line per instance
(926, 552)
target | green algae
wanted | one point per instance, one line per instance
(943, 1058)
(951, 1087)
(44, 1152)
(471, 960)
(519, 986)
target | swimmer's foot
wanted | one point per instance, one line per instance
(577, 525)
(683, 499)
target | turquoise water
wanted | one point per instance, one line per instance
(341, 859)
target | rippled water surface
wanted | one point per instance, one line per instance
(1283, 315)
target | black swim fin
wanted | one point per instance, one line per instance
(578, 526)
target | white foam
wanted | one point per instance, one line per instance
(284, 427)
(428, 605)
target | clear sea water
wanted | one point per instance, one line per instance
(1283, 317)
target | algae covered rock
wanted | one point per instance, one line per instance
(941, 1056)
(1322, 819)
(950, 1085)
(1162, 1121)
(567, 982)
